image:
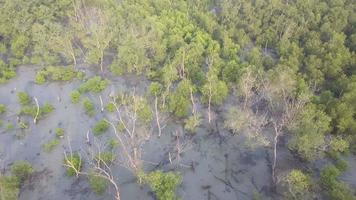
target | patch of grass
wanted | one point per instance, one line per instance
(59, 132)
(55, 74)
(113, 143)
(9, 187)
(97, 183)
(23, 125)
(24, 98)
(40, 78)
(89, 107)
(108, 157)
(100, 127)
(74, 160)
(48, 147)
(6, 72)
(75, 96)
(94, 84)
(110, 107)
(2, 108)
(163, 184)
(22, 170)
(10, 126)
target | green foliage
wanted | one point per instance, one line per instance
(236, 120)
(75, 96)
(48, 147)
(55, 74)
(9, 187)
(113, 143)
(214, 90)
(309, 128)
(40, 78)
(192, 123)
(101, 127)
(97, 183)
(298, 184)
(163, 184)
(59, 132)
(2, 108)
(179, 101)
(22, 170)
(110, 107)
(339, 144)
(107, 157)
(89, 107)
(10, 126)
(75, 161)
(24, 98)
(94, 84)
(335, 189)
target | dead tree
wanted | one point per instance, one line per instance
(133, 133)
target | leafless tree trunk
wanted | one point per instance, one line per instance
(37, 111)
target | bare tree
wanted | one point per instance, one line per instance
(132, 134)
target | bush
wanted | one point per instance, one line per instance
(339, 144)
(9, 188)
(192, 123)
(100, 127)
(48, 147)
(24, 98)
(108, 157)
(22, 170)
(95, 84)
(97, 183)
(298, 184)
(55, 74)
(2, 108)
(113, 143)
(110, 107)
(59, 132)
(75, 96)
(46, 109)
(89, 107)
(76, 161)
(40, 78)
(336, 189)
(163, 184)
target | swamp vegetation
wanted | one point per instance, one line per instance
(166, 100)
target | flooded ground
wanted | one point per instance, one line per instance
(215, 165)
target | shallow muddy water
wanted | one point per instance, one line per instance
(215, 165)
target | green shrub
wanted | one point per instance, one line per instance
(110, 107)
(74, 160)
(97, 183)
(2, 108)
(75, 96)
(22, 170)
(55, 74)
(48, 147)
(24, 98)
(108, 157)
(95, 84)
(40, 78)
(46, 109)
(9, 187)
(89, 107)
(192, 123)
(59, 132)
(23, 125)
(298, 184)
(113, 143)
(163, 184)
(100, 127)
(335, 189)
(10, 126)
(339, 144)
